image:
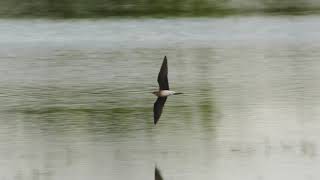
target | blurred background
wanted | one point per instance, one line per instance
(106, 8)
(76, 79)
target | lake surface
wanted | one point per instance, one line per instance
(76, 102)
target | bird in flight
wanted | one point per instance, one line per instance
(163, 91)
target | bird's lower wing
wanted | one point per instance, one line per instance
(157, 108)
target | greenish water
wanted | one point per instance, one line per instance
(76, 102)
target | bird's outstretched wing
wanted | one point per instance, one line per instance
(157, 175)
(157, 108)
(163, 76)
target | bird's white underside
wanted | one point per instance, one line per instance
(164, 93)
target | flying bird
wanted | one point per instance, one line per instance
(163, 92)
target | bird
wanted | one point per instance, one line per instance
(157, 174)
(163, 92)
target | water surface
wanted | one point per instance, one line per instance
(76, 102)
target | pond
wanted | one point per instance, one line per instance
(76, 98)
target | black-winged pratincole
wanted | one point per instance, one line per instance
(163, 91)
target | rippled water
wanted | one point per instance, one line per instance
(76, 102)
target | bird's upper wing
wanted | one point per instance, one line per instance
(163, 75)
(157, 175)
(157, 108)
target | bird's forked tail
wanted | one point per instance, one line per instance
(177, 93)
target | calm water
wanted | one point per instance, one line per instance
(76, 102)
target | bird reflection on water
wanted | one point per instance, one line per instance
(157, 174)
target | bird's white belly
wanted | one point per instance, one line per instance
(164, 93)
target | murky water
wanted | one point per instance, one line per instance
(76, 102)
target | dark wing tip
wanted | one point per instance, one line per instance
(156, 118)
(155, 121)
(156, 115)
(165, 61)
